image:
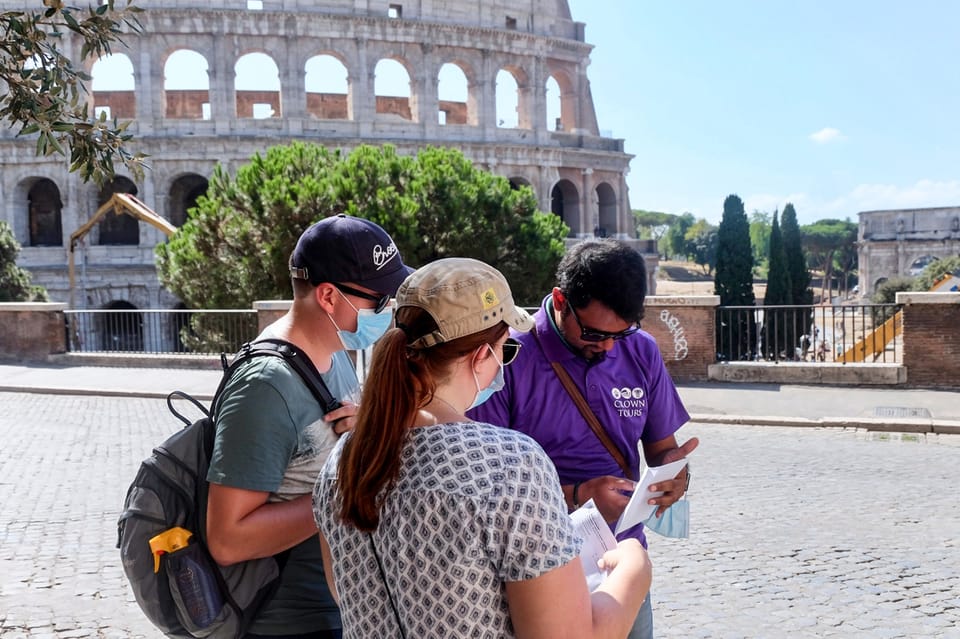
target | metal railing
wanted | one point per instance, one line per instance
(862, 333)
(197, 332)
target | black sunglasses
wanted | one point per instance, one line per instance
(593, 335)
(381, 300)
(511, 348)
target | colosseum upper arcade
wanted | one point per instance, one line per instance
(215, 82)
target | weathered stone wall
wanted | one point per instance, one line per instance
(685, 332)
(931, 338)
(31, 331)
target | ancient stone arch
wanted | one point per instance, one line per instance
(183, 193)
(187, 131)
(893, 243)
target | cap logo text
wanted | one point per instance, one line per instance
(383, 255)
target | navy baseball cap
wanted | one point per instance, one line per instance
(342, 248)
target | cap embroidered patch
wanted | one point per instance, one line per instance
(489, 298)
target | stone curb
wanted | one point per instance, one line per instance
(99, 392)
(934, 426)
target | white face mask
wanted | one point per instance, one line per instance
(496, 384)
(370, 327)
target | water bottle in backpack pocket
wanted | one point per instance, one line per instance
(193, 582)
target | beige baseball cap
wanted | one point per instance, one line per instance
(463, 296)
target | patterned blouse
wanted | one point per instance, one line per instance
(475, 506)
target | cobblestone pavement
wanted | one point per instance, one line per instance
(795, 533)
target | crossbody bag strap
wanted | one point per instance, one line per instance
(571, 387)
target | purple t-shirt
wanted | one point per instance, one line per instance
(630, 392)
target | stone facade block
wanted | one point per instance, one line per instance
(574, 171)
(32, 331)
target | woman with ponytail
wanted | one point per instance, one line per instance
(435, 526)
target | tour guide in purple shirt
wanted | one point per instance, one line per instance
(589, 324)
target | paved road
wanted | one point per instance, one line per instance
(797, 532)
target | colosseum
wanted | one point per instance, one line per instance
(219, 80)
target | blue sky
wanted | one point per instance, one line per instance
(838, 107)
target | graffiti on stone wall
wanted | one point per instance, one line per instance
(680, 349)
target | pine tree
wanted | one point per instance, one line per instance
(776, 321)
(734, 282)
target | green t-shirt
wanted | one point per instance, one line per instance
(271, 437)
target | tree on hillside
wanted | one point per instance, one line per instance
(823, 240)
(733, 281)
(675, 243)
(234, 248)
(15, 283)
(936, 268)
(46, 93)
(775, 321)
(760, 239)
(701, 240)
(800, 292)
(652, 225)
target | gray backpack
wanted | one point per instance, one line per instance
(161, 533)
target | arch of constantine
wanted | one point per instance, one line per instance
(900, 242)
(216, 81)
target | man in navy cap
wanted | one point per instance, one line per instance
(272, 436)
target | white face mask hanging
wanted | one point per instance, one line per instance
(496, 384)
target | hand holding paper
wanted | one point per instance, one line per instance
(638, 510)
(597, 540)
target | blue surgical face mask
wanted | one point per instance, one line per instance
(370, 327)
(495, 385)
(674, 522)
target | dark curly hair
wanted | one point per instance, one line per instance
(608, 271)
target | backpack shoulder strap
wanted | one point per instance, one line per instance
(297, 360)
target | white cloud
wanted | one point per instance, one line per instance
(872, 197)
(826, 135)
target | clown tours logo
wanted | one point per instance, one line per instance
(629, 402)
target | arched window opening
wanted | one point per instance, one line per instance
(917, 266)
(183, 196)
(565, 203)
(122, 330)
(561, 99)
(516, 183)
(114, 87)
(44, 207)
(327, 85)
(117, 229)
(257, 85)
(554, 121)
(392, 89)
(607, 206)
(452, 95)
(186, 86)
(508, 100)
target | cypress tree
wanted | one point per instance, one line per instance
(800, 292)
(734, 282)
(775, 321)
